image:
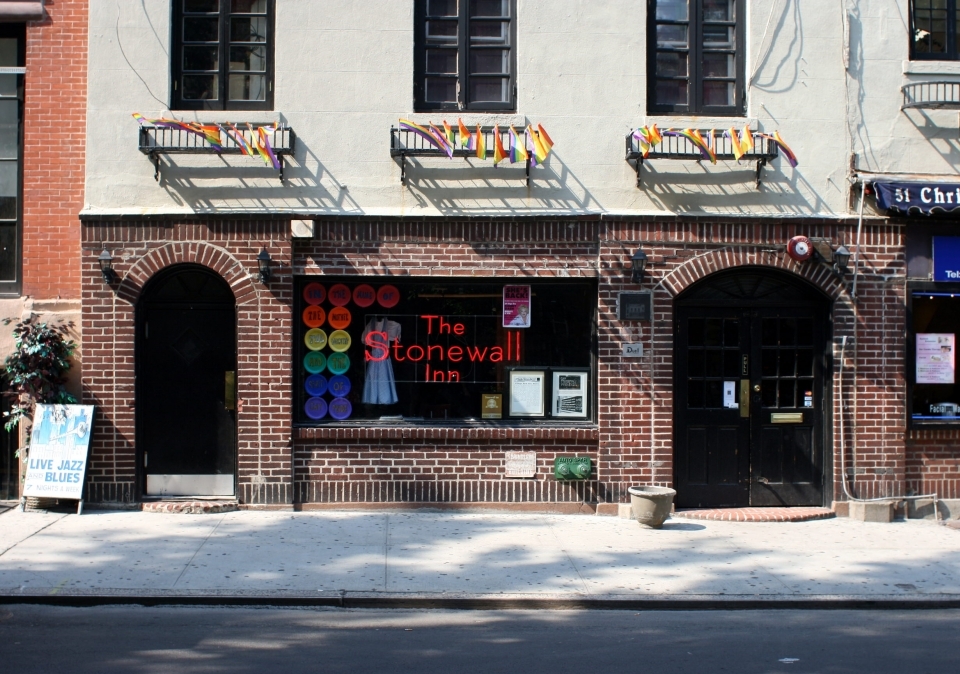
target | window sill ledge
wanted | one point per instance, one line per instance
(697, 122)
(451, 431)
(947, 68)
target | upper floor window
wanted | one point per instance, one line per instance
(12, 52)
(222, 55)
(933, 24)
(465, 55)
(695, 57)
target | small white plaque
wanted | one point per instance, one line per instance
(730, 394)
(633, 350)
(520, 464)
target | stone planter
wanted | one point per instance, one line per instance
(651, 505)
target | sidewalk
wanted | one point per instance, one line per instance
(431, 558)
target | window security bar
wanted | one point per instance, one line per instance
(157, 140)
(681, 147)
(405, 143)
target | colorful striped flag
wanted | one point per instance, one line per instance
(481, 144)
(448, 133)
(435, 139)
(746, 140)
(738, 150)
(517, 151)
(539, 151)
(787, 152)
(499, 153)
(466, 138)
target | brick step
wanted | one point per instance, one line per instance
(757, 514)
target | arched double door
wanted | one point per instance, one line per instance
(750, 391)
(186, 384)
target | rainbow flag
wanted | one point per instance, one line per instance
(787, 152)
(444, 145)
(466, 138)
(544, 138)
(481, 144)
(499, 153)
(436, 140)
(211, 133)
(517, 151)
(746, 140)
(448, 133)
(237, 135)
(266, 151)
(694, 136)
(648, 137)
(738, 150)
(539, 150)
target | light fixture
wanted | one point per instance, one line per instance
(841, 258)
(638, 263)
(263, 265)
(106, 267)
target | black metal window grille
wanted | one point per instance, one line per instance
(465, 55)
(695, 57)
(12, 53)
(222, 57)
(933, 29)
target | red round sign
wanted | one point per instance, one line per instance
(340, 295)
(314, 293)
(339, 318)
(388, 296)
(313, 317)
(364, 295)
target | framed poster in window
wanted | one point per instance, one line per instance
(527, 389)
(570, 394)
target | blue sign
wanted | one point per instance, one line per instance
(946, 258)
(923, 197)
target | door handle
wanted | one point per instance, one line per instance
(230, 390)
(763, 480)
(744, 398)
(756, 388)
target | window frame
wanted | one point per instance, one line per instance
(910, 361)
(14, 288)
(695, 76)
(953, 48)
(463, 54)
(222, 102)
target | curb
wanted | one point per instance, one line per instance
(495, 603)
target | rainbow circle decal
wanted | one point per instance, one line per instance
(314, 293)
(316, 408)
(340, 409)
(340, 295)
(339, 318)
(313, 317)
(388, 296)
(315, 339)
(338, 363)
(315, 362)
(339, 386)
(316, 385)
(340, 340)
(364, 295)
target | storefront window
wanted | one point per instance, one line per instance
(415, 350)
(932, 343)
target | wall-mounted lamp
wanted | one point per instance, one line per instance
(263, 265)
(106, 267)
(841, 258)
(638, 264)
(836, 260)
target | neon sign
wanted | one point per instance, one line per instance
(437, 358)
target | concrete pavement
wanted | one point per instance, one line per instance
(442, 558)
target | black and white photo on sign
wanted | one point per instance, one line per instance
(569, 394)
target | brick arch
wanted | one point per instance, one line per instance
(682, 277)
(213, 257)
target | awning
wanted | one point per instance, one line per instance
(21, 10)
(918, 197)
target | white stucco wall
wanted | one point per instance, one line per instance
(344, 75)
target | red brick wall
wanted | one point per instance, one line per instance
(633, 440)
(53, 154)
(933, 463)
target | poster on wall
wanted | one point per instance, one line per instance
(516, 306)
(526, 393)
(935, 358)
(569, 394)
(57, 461)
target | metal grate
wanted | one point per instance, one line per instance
(156, 140)
(404, 143)
(681, 147)
(931, 95)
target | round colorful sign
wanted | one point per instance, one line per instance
(364, 295)
(315, 338)
(339, 318)
(313, 317)
(314, 293)
(340, 295)
(388, 296)
(339, 386)
(338, 363)
(316, 384)
(340, 340)
(316, 408)
(315, 362)
(340, 408)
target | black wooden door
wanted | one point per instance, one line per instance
(749, 397)
(186, 363)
